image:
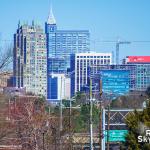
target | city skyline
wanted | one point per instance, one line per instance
(105, 20)
(74, 74)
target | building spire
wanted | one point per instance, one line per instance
(51, 18)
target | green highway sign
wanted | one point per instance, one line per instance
(116, 135)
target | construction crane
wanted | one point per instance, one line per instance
(118, 43)
(117, 49)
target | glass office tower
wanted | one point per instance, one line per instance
(62, 43)
(65, 42)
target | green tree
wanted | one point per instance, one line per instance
(82, 120)
(136, 123)
(80, 98)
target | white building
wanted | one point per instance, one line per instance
(80, 64)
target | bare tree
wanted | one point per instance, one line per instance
(6, 126)
(6, 56)
(35, 128)
(30, 126)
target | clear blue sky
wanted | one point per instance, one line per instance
(106, 20)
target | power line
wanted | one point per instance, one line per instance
(100, 41)
(115, 41)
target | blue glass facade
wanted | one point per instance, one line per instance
(72, 69)
(115, 82)
(56, 65)
(52, 88)
(132, 72)
(60, 45)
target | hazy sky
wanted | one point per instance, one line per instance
(106, 19)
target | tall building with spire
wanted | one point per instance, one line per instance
(30, 59)
(61, 44)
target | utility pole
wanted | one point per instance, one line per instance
(108, 126)
(60, 114)
(100, 126)
(91, 124)
(61, 106)
(49, 110)
(9, 109)
(43, 141)
(70, 138)
(100, 118)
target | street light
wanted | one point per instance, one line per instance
(91, 109)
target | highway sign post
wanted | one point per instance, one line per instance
(116, 135)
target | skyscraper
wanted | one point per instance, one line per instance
(65, 42)
(61, 44)
(30, 59)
